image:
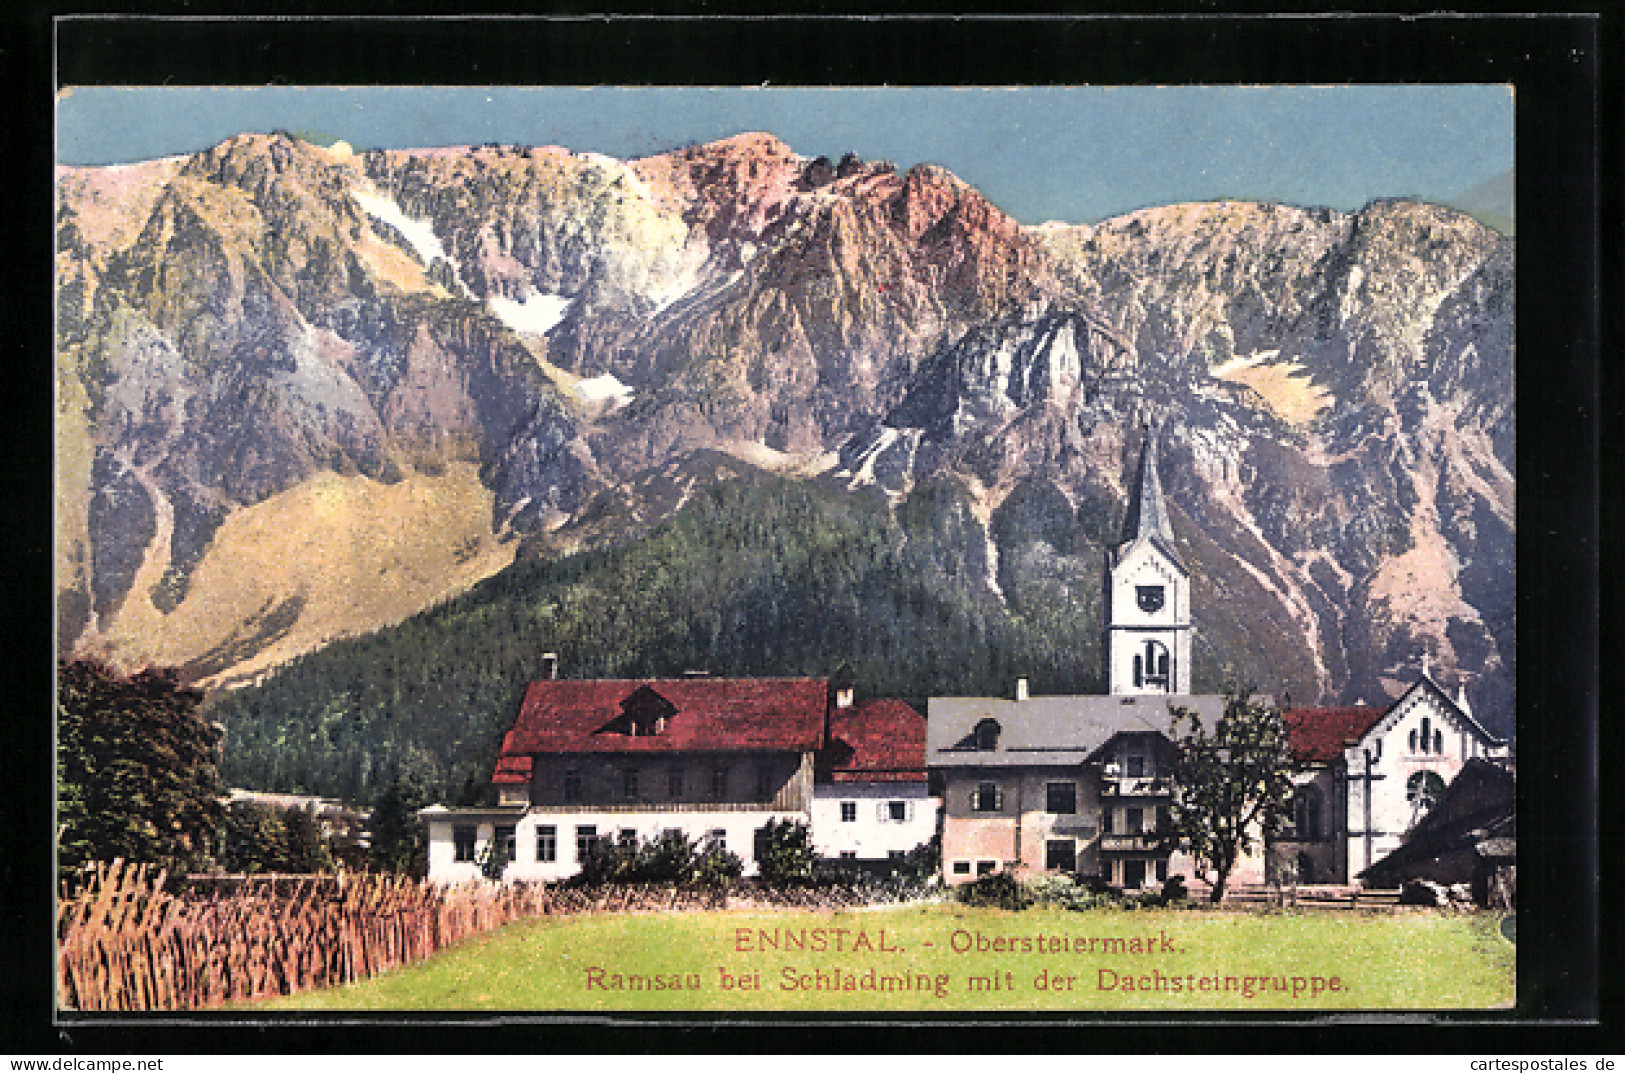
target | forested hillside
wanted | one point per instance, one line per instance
(753, 577)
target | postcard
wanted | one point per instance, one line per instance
(802, 550)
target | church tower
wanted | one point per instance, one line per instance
(1148, 595)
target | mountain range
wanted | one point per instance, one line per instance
(305, 394)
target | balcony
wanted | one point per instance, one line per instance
(1142, 787)
(1128, 844)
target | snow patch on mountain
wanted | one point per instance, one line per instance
(420, 233)
(535, 313)
(604, 388)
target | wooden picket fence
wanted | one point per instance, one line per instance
(125, 943)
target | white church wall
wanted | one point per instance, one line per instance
(1402, 765)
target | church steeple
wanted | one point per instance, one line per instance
(1148, 624)
(1147, 514)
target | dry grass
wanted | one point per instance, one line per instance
(355, 552)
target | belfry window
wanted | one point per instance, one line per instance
(1151, 666)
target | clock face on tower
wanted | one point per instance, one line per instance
(1150, 598)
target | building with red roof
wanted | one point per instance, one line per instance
(715, 758)
(871, 802)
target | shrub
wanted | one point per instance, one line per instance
(1061, 891)
(923, 862)
(1001, 890)
(784, 853)
(717, 867)
(668, 858)
(610, 861)
(1173, 890)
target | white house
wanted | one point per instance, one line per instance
(871, 803)
(714, 758)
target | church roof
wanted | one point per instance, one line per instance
(1319, 735)
(1147, 517)
(1147, 513)
(1426, 683)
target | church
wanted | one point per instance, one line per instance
(1037, 784)
(1080, 784)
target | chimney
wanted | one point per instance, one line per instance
(1021, 689)
(550, 666)
(844, 697)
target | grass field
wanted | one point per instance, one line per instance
(955, 958)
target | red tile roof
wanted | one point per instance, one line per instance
(1319, 735)
(711, 714)
(876, 741)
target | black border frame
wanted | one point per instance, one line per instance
(1553, 61)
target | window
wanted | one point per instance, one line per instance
(717, 837)
(674, 783)
(462, 840)
(629, 783)
(986, 868)
(849, 812)
(1438, 741)
(586, 839)
(719, 784)
(547, 844)
(1106, 821)
(1423, 790)
(1060, 855)
(1133, 821)
(849, 855)
(507, 841)
(987, 735)
(1061, 798)
(961, 868)
(1164, 818)
(572, 785)
(1151, 669)
(986, 798)
(897, 811)
(1306, 814)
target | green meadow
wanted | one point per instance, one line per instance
(949, 957)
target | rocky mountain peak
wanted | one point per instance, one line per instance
(568, 346)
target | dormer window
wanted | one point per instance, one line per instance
(643, 714)
(987, 735)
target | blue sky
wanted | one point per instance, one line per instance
(1063, 153)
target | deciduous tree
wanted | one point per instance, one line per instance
(1233, 784)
